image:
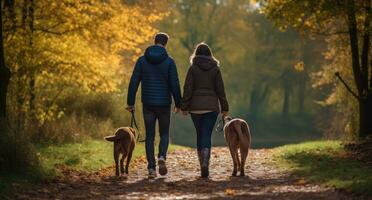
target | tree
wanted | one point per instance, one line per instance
(4, 70)
(351, 17)
(62, 48)
(258, 98)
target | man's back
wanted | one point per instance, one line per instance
(159, 77)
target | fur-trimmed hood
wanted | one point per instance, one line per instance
(204, 62)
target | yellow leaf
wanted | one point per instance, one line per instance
(230, 192)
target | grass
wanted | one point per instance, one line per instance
(89, 156)
(325, 162)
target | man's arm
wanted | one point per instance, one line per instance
(134, 83)
(175, 84)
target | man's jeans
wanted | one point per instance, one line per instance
(204, 124)
(150, 115)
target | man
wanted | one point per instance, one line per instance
(158, 74)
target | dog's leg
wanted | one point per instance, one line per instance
(116, 157)
(243, 154)
(233, 156)
(128, 161)
(122, 162)
(237, 157)
(244, 145)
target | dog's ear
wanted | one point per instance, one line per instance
(227, 118)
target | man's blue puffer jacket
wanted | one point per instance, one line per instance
(158, 74)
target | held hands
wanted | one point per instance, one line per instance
(130, 108)
(176, 110)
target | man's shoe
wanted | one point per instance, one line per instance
(152, 173)
(162, 166)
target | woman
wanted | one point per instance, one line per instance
(204, 97)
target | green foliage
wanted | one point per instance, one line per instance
(346, 24)
(263, 68)
(325, 162)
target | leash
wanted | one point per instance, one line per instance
(220, 125)
(133, 124)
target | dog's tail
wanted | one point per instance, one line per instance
(111, 138)
(243, 134)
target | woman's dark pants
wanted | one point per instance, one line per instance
(204, 124)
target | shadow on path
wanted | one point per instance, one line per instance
(183, 182)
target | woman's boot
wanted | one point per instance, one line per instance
(205, 156)
(199, 157)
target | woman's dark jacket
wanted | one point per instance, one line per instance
(204, 88)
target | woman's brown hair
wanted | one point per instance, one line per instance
(202, 49)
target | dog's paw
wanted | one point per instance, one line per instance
(242, 174)
(234, 174)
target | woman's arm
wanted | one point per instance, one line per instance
(187, 90)
(220, 90)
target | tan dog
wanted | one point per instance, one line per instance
(124, 143)
(238, 136)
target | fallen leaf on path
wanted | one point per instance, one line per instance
(230, 192)
(301, 182)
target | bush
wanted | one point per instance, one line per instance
(101, 106)
(74, 128)
(16, 152)
(85, 117)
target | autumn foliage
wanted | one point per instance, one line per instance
(60, 49)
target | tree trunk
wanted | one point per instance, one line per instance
(353, 34)
(360, 72)
(285, 110)
(32, 73)
(301, 93)
(4, 82)
(4, 71)
(258, 96)
(365, 116)
(287, 89)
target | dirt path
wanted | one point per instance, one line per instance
(183, 182)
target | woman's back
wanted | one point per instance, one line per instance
(204, 71)
(204, 89)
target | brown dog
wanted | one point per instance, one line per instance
(238, 136)
(124, 143)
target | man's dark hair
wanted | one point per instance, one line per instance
(161, 38)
